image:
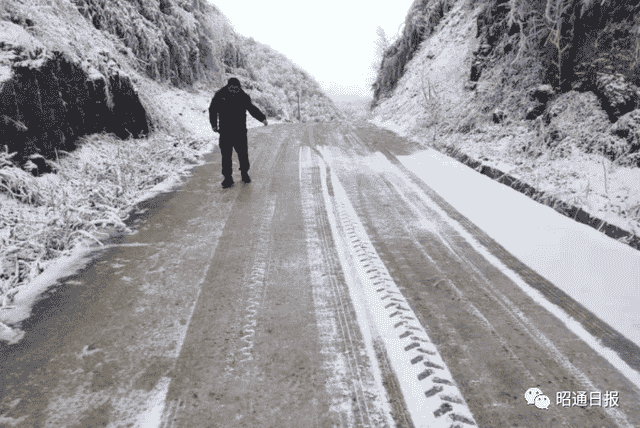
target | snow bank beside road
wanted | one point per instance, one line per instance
(598, 272)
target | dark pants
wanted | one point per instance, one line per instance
(228, 142)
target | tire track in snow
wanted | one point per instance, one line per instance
(431, 395)
(165, 414)
(256, 280)
(357, 395)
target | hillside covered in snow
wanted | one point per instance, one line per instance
(543, 95)
(103, 101)
(90, 66)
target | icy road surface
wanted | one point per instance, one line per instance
(339, 288)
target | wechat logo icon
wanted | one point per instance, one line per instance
(536, 397)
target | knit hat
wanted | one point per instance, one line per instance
(234, 82)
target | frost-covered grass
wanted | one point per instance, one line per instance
(89, 196)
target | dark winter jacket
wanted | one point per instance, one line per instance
(232, 110)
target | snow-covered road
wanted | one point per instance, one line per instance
(357, 281)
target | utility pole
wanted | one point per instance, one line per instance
(298, 103)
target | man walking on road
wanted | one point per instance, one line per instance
(231, 103)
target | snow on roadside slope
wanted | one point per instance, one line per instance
(595, 270)
(600, 187)
(189, 110)
(444, 61)
(591, 182)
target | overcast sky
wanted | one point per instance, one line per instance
(333, 40)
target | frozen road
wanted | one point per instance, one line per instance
(337, 289)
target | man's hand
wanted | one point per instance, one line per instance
(265, 122)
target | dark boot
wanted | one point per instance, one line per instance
(227, 182)
(246, 178)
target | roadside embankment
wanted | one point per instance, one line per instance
(554, 143)
(45, 219)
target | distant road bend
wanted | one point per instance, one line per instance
(337, 289)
